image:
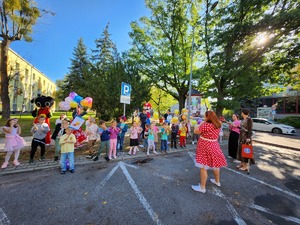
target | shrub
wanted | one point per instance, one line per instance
(291, 120)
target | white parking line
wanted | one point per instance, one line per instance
(230, 207)
(264, 183)
(3, 218)
(289, 218)
(140, 196)
(104, 181)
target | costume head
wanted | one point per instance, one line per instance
(147, 106)
(43, 101)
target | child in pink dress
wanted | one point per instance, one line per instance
(135, 130)
(13, 141)
(114, 131)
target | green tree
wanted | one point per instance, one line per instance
(80, 64)
(17, 19)
(161, 101)
(162, 45)
(247, 43)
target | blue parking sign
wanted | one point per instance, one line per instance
(125, 89)
(125, 93)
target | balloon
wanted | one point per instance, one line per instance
(183, 110)
(193, 122)
(78, 98)
(61, 104)
(199, 121)
(66, 106)
(84, 103)
(73, 104)
(155, 115)
(68, 99)
(89, 105)
(174, 119)
(183, 117)
(176, 111)
(72, 95)
(89, 100)
(169, 118)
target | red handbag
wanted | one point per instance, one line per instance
(247, 151)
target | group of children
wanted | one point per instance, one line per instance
(111, 139)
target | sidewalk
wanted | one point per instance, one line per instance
(82, 160)
(284, 141)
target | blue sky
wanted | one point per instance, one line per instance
(55, 37)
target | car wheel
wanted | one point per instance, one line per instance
(277, 131)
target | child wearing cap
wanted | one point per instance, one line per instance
(39, 131)
(67, 142)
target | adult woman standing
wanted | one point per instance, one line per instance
(209, 154)
(234, 135)
(245, 137)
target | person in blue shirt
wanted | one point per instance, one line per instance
(123, 129)
(165, 131)
(104, 141)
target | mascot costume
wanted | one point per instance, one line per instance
(44, 103)
(147, 106)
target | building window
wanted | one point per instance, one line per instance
(290, 104)
(26, 76)
(17, 67)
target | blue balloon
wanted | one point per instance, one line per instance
(78, 99)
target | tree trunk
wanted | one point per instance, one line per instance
(181, 101)
(4, 79)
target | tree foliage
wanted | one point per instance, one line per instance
(17, 19)
(162, 46)
(247, 43)
(100, 74)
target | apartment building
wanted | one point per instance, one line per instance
(26, 82)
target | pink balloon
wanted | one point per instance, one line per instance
(61, 104)
(72, 94)
(89, 100)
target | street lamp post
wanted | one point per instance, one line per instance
(192, 56)
(191, 76)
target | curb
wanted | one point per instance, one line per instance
(86, 162)
(276, 145)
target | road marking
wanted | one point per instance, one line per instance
(289, 218)
(104, 181)
(132, 166)
(192, 155)
(264, 183)
(230, 207)
(3, 218)
(140, 196)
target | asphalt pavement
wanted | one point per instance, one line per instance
(285, 141)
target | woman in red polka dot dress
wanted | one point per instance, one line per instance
(209, 154)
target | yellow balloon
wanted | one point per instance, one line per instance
(155, 115)
(73, 104)
(193, 122)
(176, 111)
(174, 119)
(183, 110)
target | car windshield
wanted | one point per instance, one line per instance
(272, 121)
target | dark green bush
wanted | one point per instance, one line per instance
(291, 120)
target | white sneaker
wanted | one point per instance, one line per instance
(193, 143)
(214, 182)
(198, 188)
(236, 161)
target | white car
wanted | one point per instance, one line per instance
(262, 124)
